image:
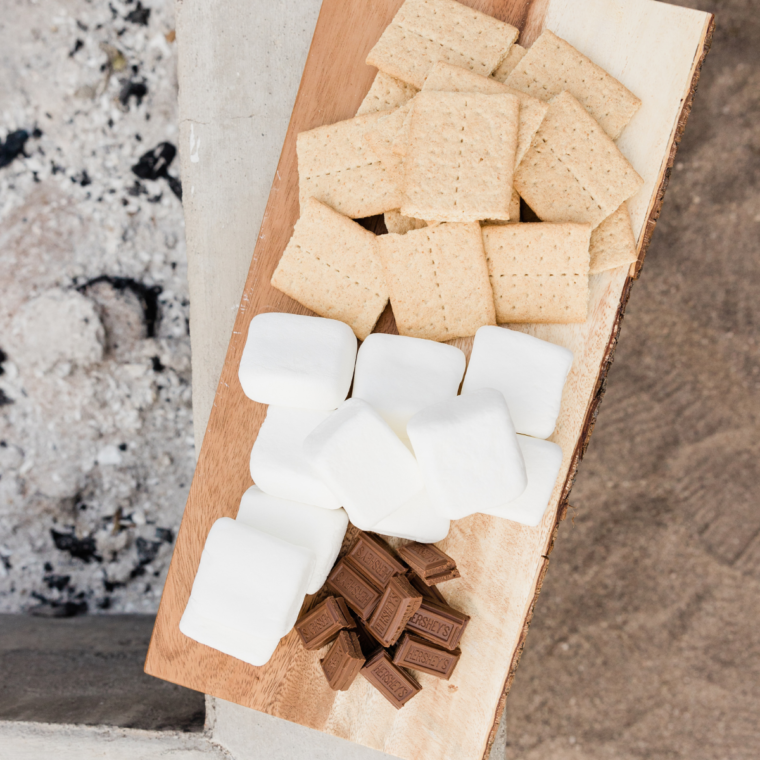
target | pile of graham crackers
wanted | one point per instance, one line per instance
(460, 124)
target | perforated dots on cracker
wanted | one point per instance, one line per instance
(330, 267)
(573, 172)
(338, 167)
(385, 94)
(438, 281)
(425, 31)
(538, 272)
(552, 65)
(460, 158)
(444, 77)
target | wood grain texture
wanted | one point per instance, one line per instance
(502, 564)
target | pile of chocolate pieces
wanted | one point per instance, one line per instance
(386, 614)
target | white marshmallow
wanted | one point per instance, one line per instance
(417, 520)
(321, 530)
(530, 372)
(363, 462)
(236, 643)
(468, 453)
(278, 466)
(542, 462)
(399, 376)
(248, 584)
(292, 360)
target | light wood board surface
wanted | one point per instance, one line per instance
(654, 49)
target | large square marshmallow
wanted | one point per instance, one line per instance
(248, 584)
(321, 530)
(417, 520)
(468, 453)
(234, 642)
(542, 462)
(399, 376)
(363, 462)
(293, 360)
(530, 372)
(278, 466)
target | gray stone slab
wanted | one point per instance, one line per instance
(88, 670)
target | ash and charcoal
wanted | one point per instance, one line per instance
(96, 445)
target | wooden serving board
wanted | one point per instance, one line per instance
(657, 51)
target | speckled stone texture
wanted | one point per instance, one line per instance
(96, 447)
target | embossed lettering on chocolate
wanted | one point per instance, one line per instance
(395, 684)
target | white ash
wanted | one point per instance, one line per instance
(96, 445)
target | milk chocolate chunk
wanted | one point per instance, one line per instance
(360, 595)
(439, 623)
(429, 562)
(373, 557)
(418, 654)
(428, 592)
(396, 685)
(320, 625)
(343, 662)
(399, 602)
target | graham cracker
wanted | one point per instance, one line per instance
(612, 242)
(330, 266)
(385, 94)
(538, 272)
(337, 167)
(553, 65)
(444, 77)
(505, 68)
(380, 137)
(573, 172)
(514, 212)
(398, 224)
(460, 156)
(438, 281)
(425, 31)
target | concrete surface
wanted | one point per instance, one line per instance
(88, 670)
(34, 741)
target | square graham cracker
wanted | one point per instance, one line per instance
(385, 94)
(330, 266)
(438, 281)
(337, 167)
(460, 157)
(573, 172)
(553, 65)
(504, 69)
(612, 242)
(444, 77)
(425, 31)
(539, 271)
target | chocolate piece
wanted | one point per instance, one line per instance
(414, 652)
(396, 606)
(360, 595)
(367, 640)
(429, 562)
(343, 662)
(374, 559)
(321, 624)
(439, 623)
(428, 592)
(396, 685)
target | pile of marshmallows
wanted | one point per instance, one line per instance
(403, 457)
